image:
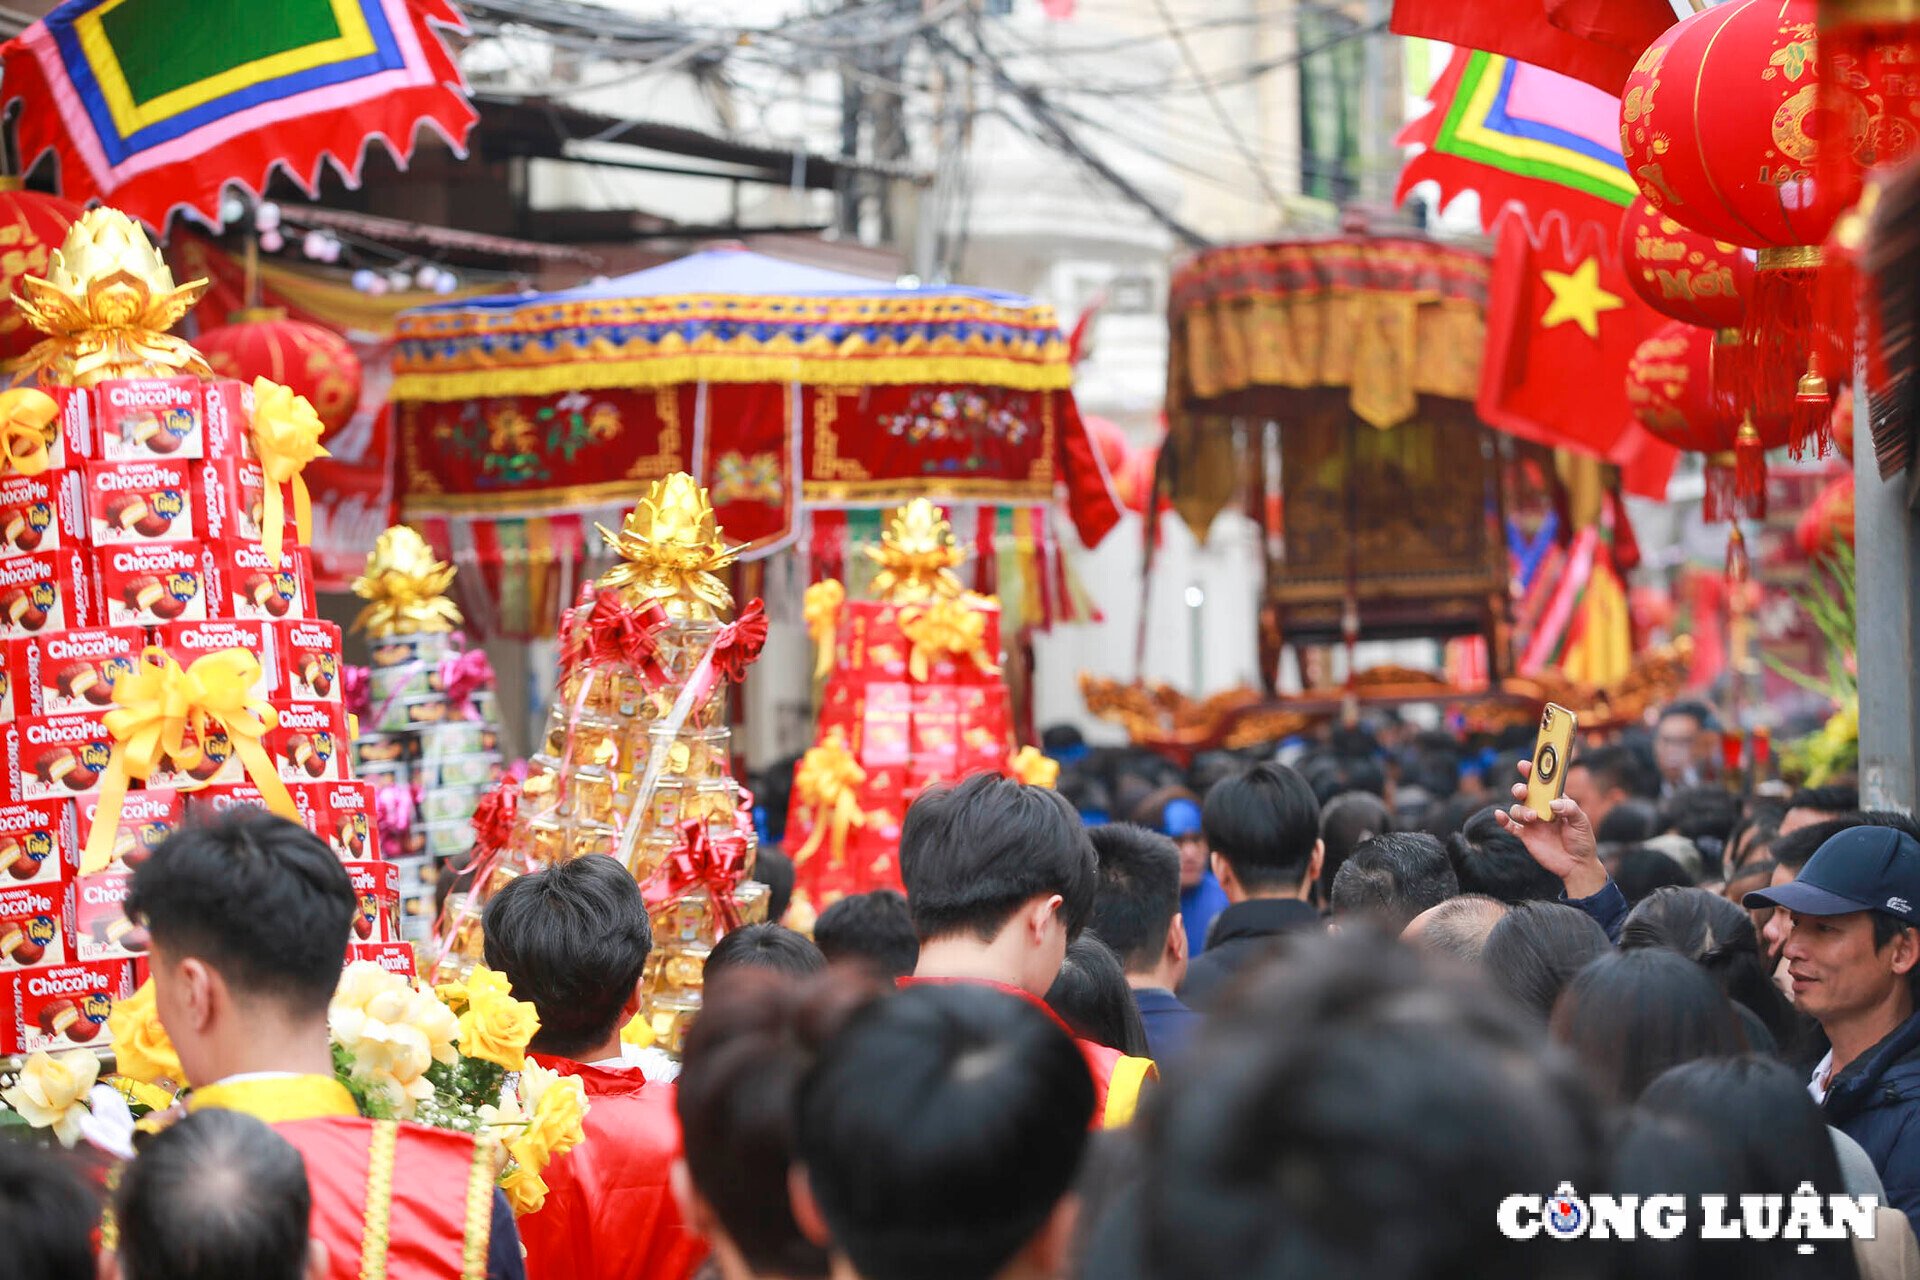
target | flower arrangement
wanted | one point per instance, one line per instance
(452, 1057)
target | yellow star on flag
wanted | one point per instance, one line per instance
(1578, 298)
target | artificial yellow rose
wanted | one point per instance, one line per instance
(525, 1189)
(141, 1049)
(638, 1032)
(393, 1031)
(556, 1110)
(51, 1093)
(496, 1027)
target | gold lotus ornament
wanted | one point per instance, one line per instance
(671, 552)
(405, 587)
(917, 556)
(106, 304)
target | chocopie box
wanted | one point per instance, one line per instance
(247, 585)
(41, 513)
(71, 670)
(188, 642)
(209, 759)
(230, 500)
(101, 929)
(152, 584)
(310, 742)
(147, 817)
(394, 957)
(34, 923)
(46, 591)
(229, 418)
(150, 418)
(218, 799)
(75, 440)
(65, 1006)
(140, 500)
(58, 756)
(309, 655)
(376, 887)
(351, 827)
(38, 842)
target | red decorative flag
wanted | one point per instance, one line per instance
(1592, 40)
(1561, 325)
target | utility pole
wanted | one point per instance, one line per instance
(1888, 623)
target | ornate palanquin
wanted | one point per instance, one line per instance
(785, 389)
(1329, 386)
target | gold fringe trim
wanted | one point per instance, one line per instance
(473, 1252)
(379, 1211)
(1797, 255)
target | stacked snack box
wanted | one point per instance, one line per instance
(137, 536)
(636, 758)
(430, 741)
(913, 697)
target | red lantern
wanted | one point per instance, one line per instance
(1682, 274)
(1746, 170)
(1670, 389)
(261, 342)
(32, 225)
(1828, 520)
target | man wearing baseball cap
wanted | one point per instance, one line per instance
(1852, 948)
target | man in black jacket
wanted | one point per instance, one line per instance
(1853, 952)
(1263, 828)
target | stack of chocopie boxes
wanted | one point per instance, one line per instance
(144, 535)
(442, 755)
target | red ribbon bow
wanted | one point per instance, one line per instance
(615, 632)
(493, 819)
(740, 642)
(700, 862)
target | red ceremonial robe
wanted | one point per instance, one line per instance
(609, 1212)
(389, 1199)
(1117, 1078)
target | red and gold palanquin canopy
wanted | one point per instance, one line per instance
(786, 389)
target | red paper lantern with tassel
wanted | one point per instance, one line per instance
(1681, 273)
(1670, 383)
(1747, 171)
(32, 225)
(261, 342)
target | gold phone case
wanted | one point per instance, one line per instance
(1551, 749)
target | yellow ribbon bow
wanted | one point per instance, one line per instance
(165, 713)
(27, 430)
(286, 435)
(827, 782)
(945, 627)
(821, 609)
(1028, 765)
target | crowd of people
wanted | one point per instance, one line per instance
(1344, 1009)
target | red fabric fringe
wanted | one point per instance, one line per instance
(1739, 568)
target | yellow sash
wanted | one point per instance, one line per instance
(278, 1099)
(1123, 1090)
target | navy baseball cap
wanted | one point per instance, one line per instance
(1859, 869)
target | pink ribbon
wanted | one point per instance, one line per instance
(356, 690)
(461, 676)
(393, 807)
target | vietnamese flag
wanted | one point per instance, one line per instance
(1562, 323)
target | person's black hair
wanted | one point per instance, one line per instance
(1328, 776)
(1210, 767)
(1716, 1105)
(1345, 821)
(1448, 818)
(774, 869)
(1092, 997)
(48, 1211)
(1056, 738)
(1718, 935)
(1351, 742)
(1901, 822)
(1755, 831)
(940, 1129)
(772, 792)
(1699, 712)
(874, 929)
(757, 1034)
(765, 946)
(1342, 1089)
(573, 940)
(1534, 952)
(1489, 859)
(1087, 794)
(1630, 1015)
(1619, 767)
(1433, 766)
(1265, 823)
(1394, 877)
(214, 1195)
(1705, 815)
(1139, 893)
(1628, 822)
(1836, 799)
(261, 899)
(1796, 847)
(1643, 869)
(973, 852)
(1151, 809)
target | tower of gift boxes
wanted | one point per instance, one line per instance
(913, 696)
(429, 727)
(153, 589)
(635, 761)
